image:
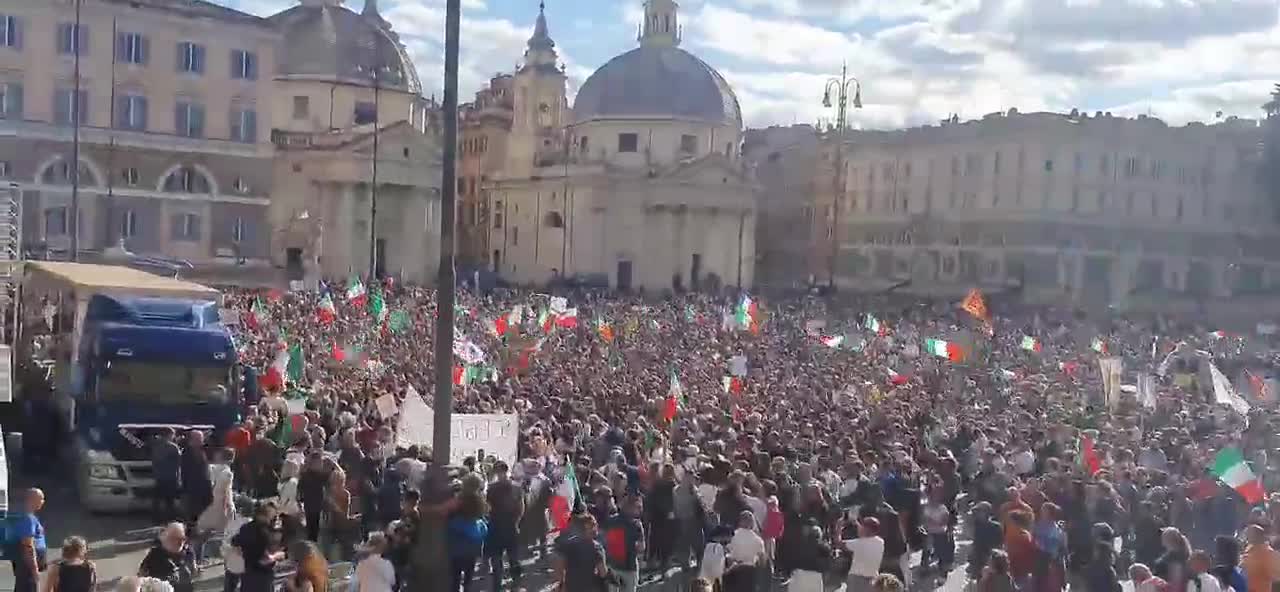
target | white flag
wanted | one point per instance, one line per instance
(1224, 394)
(1147, 391)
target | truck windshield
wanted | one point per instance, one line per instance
(164, 383)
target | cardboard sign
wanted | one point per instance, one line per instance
(386, 405)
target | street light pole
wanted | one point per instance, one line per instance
(445, 287)
(841, 86)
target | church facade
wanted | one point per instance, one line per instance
(637, 186)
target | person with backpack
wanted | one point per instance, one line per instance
(467, 530)
(25, 543)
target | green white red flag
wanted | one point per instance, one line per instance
(944, 349)
(1230, 467)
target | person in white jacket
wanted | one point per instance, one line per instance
(218, 514)
(290, 505)
(375, 573)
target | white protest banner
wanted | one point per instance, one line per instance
(495, 434)
(738, 365)
(1111, 369)
(559, 305)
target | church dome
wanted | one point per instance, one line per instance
(658, 80)
(326, 41)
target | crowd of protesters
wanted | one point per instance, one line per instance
(843, 446)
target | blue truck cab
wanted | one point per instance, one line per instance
(145, 364)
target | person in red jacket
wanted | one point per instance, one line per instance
(1020, 547)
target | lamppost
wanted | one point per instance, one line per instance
(841, 87)
(375, 74)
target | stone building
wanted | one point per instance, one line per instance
(1096, 210)
(641, 185)
(484, 125)
(197, 129)
(785, 161)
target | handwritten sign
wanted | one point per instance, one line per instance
(386, 405)
(469, 433)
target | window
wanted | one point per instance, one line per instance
(186, 227)
(4, 169)
(128, 224)
(240, 186)
(497, 214)
(301, 107)
(10, 31)
(995, 166)
(688, 144)
(65, 104)
(365, 113)
(515, 236)
(972, 165)
(553, 220)
(187, 180)
(462, 186)
(1177, 213)
(132, 48)
(190, 58)
(1131, 167)
(73, 39)
(955, 166)
(1048, 166)
(131, 112)
(244, 65)
(628, 142)
(728, 150)
(244, 125)
(1157, 169)
(582, 145)
(10, 100)
(59, 173)
(1155, 207)
(55, 221)
(129, 176)
(188, 119)
(239, 230)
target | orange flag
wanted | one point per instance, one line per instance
(976, 305)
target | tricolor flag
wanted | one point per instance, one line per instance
(378, 308)
(274, 378)
(731, 384)
(833, 341)
(257, 315)
(675, 398)
(297, 365)
(546, 320)
(350, 353)
(466, 375)
(1030, 343)
(1258, 385)
(897, 379)
(567, 319)
(944, 349)
(1219, 334)
(748, 315)
(564, 498)
(326, 313)
(1229, 466)
(874, 325)
(1099, 345)
(355, 292)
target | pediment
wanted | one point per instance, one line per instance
(393, 140)
(712, 168)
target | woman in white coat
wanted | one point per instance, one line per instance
(216, 517)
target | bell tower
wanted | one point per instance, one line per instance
(540, 111)
(661, 26)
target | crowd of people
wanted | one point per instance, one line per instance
(738, 442)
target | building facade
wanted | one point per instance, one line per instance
(785, 160)
(181, 109)
(641, 186)
(1097, 210)
(484, 125)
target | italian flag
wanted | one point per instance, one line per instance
(1099, 345)
(562, 502)
(874, 325)
(546, 320)
(897, 379)
(1030, 343)
(833, 341)
(466, 375)
(1229, 466)
(326, 313)
(748, 315)
(378, 308)
(257, 314)
(944, 349)
(675, 398)
(274, 378)
(731, 384)
(355, 292)
(567, 319)
(349, 353)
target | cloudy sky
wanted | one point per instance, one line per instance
(919, 60)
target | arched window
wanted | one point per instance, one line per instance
(59, 173)
(187, 180)
(553, 220)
